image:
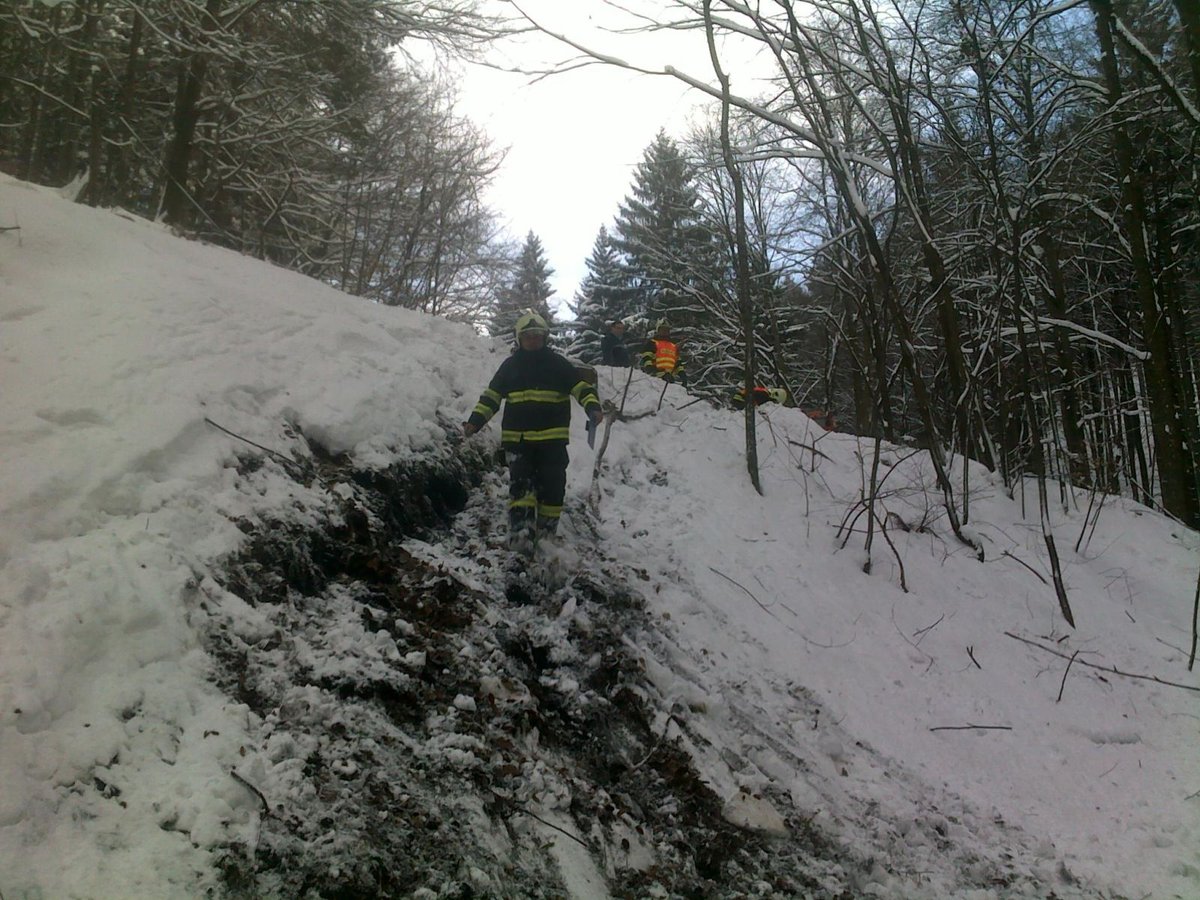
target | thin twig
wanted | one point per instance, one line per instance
(534, 815)
(610, 415)
(666, 727)
(1026, 565)
(1195, 623)
(904, 637)
(928, 628)
(748, 594)
(625, 393)
(972, 728)
(1095, 522)
(810, 447)
(283, 457)
(1112, 669)
(250, 787)
(1178, 650)
(1087, 517)
(896, 553)
(971, 653)
(1064, 678)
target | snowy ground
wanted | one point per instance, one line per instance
(799, 684)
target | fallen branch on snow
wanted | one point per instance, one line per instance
(928, 628)
(1026, 565)
(534, 815)
(1066, 672)
(1111, 669)
(748, 594)
(254, 790)
(282, 457)
(972, 728)
(811, 448)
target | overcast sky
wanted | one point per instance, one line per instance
(573, 143)
(574, 139)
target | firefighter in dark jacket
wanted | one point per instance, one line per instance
(536, 385)
(613, 351)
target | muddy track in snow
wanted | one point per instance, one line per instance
(422, 737)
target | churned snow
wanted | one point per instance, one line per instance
(122, 348)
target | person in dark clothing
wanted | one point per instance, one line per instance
(613, 351)
(536, 385)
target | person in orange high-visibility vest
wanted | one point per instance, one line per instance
(661, 356)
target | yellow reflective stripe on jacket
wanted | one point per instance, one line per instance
(529, 500)
(549, 512)
(581, 390)
(666, 356)
(509, 436)
(489, 404)
(536, 396)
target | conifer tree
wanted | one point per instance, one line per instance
(659, 230)
(603, 296)
(528, 288)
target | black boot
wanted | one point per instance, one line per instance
(521, 542)
(547, 528)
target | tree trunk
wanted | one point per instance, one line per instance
(1189, 20)
(745, 298)
(33, 141)
(193, 68)
(119, 169)
(1174, 465)
(96, 168)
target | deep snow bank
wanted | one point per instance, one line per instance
(118, 340)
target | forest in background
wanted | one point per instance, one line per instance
(970, 225)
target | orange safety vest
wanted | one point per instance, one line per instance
(666, 355)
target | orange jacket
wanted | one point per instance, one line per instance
(663, 358)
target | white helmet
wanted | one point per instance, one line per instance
(529, 322)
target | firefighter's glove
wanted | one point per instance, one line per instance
(596, 415)
(469, 428)
(668, 377)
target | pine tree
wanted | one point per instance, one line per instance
(528, 288)
(659, 230)
(603, 296)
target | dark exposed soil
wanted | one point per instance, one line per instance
(383, 781)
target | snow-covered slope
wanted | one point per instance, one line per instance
(118, 341)
(801, 687)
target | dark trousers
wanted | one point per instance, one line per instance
(537, 485)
